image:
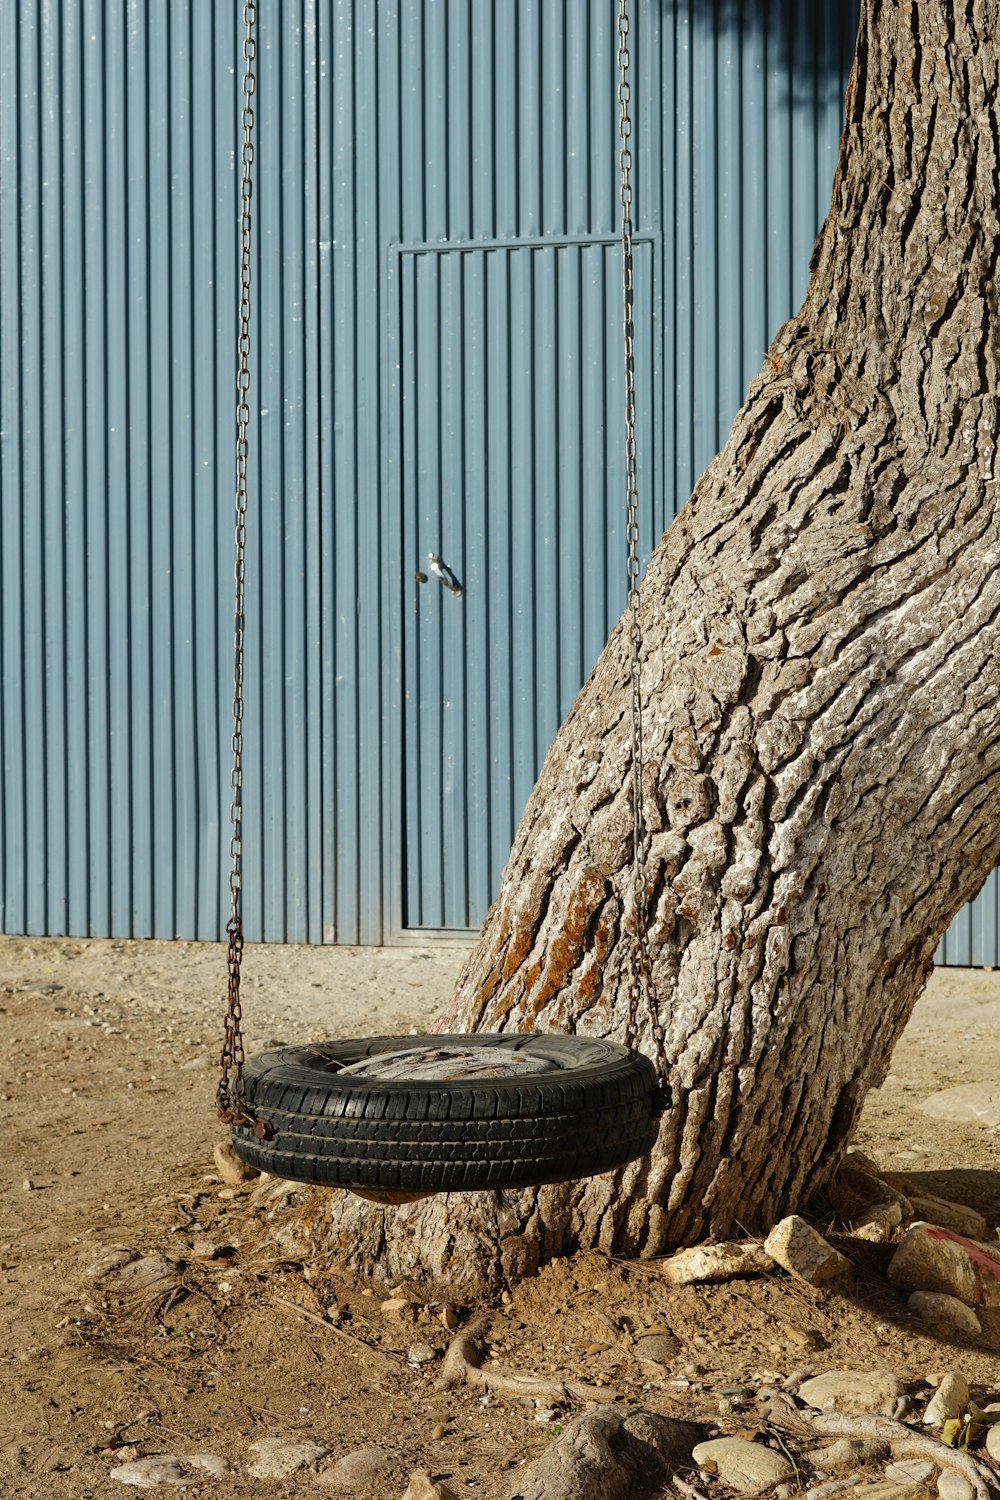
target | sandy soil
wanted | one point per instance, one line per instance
(106, 1083)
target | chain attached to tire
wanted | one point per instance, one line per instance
(641, 982)
(231, 1095)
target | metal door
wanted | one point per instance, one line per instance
(512, 473)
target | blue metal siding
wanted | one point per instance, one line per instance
(435, 352)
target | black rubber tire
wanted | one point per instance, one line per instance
(597, 1110)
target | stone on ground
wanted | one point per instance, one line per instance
(423, 1487)
(945, 1311)
(932, 1259)
(743, 1465)
(911, 1470)
(952, 1485)
(714, 1263)
(853, 1390)
(230, 1167)
(887, 1489)
(278, 1457)
(993, 1443)
(363, 1469)
(949, 1400)
(170, 1468)
(657, 1348)
(101, 1260)
(870, 1200)
(970, 1101)
(949, 1215)
(848, 1453)
(797, 1247)
(617, 1452)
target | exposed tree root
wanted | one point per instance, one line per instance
(463, 1365)
(904, 1442)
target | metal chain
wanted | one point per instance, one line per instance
(641, 982)
(231, 1096)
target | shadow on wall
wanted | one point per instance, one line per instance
(806, 45)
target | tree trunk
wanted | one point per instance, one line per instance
(820, 681)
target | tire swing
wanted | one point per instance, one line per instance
(395, 1119)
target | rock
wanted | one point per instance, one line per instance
(146, 1272)
(952, 1485)
(848, 1453)
(170, 1468)
(970, 1101)
(100, 1260)
(911, 1471)
(949, 1400)
(658, 1348)
(887, 1489)
(714, 1263)
(399, 1307)
(831, 1487)
(866, 1200)
(448, 1317)
(363, 1469)
(948, 1215)
(945, 1311)
(438, 1431)
(931, 1259)
(229, 1166)
(423, 1487)
(420, 1354)
(860, 1161)
(853, 1390)
(743, 1465)
(617, 1452)
(795, 1245)
(278, 1457)
(993, 1442)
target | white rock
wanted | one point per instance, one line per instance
(231, 1168)
(949, 1400)
(714, 1263)
(420, 1354)
(170, 1468)
(795, 1245)
(853, 1390)
(949, 1215)
(948, 1312)
(278, 1457)
(744, 1465)
(970, 1101)
(911, 1470)
(952, 1485)
(932, 1259)
(993, 1442)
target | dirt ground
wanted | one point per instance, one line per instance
(106, 1082)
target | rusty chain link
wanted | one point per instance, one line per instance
(641, 981)
(231, 1096)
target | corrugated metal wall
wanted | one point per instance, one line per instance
(435, 357)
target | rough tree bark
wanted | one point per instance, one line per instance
(820, 676)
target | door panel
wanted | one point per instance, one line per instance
(511, 425)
